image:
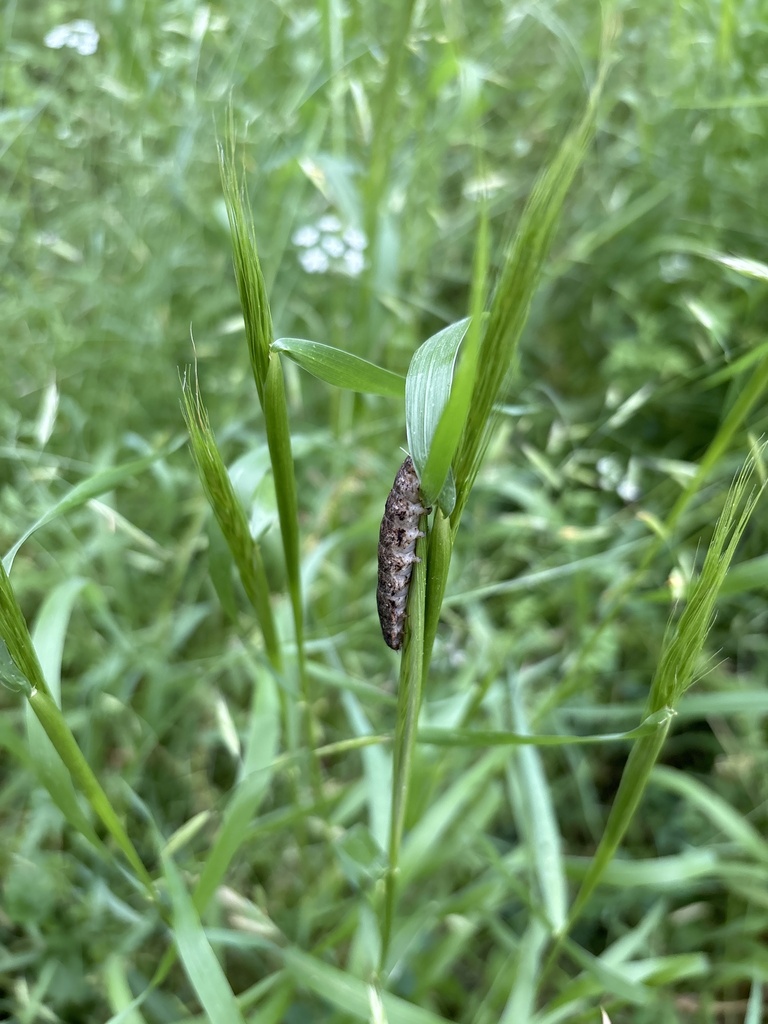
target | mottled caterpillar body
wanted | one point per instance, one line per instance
(397, 545)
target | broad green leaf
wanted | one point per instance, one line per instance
(450, 426)
(427, 391)
(340, 368)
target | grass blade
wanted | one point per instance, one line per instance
(753, 389)
(99, 483)
(351, 996)
(503, 738)
(249, 794)
(202, 968)
(539, 822)
(720, 813)
(341, 369)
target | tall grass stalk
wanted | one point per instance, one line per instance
(267, 374)
(680, 660)
(493, 363)
(522, 269)
(520, 276)
(386, 107)
(270, 388)
(29, 678)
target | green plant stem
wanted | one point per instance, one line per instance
(408, 706)
(52, 720)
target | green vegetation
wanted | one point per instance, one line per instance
(526, 243)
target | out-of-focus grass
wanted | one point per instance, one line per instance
(633, 372)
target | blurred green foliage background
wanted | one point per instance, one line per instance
(365, 189)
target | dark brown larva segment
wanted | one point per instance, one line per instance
(397, 545)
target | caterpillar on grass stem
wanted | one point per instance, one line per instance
(397, 545)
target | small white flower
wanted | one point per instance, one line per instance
(314, 261)
(610, 472)
(355, 239)
(333, 245)
(628, 490)
(327, 248)
(306, 236)
(673, 266)
(330, 222)
(80, 35)
(353, 263)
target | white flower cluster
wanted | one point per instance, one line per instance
(80, 35)
(327, 246)
(614, 476)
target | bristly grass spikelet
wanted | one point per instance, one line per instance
(229, 513)
(268, 377)
(680, 659)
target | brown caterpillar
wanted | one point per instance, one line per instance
(397, 544)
